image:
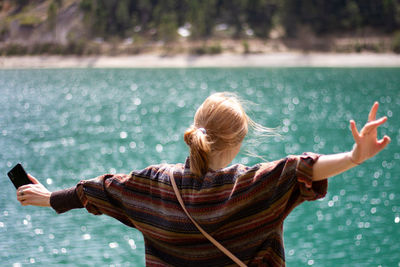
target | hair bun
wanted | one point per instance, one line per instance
(188, 136)
(200, 147)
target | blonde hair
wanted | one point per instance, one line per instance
(219, 123)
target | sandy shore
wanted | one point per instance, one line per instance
(222, 60)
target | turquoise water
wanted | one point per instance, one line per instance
(72, 124)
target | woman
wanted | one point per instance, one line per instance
(242, 207)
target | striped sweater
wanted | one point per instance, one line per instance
(242, 207)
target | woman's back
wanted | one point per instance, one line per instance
(242, 207)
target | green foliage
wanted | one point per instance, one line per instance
(72, 48)
(353, 17)
(122, 14)
(234, 12)
(59, 2)
(214, 49)
(46, 48)
(52, 15)
(328, 16)
(161, 18)
(75, 48)
(202, 17)
(210, 50)
(4, 32)
(22, 3)
(396, 42)
(246, 47)
(14, 50)
(28, 20)
(260, 14)
(86, 5)
(167, 27)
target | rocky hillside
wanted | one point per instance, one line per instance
(33, 24)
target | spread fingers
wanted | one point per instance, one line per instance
(372, 113)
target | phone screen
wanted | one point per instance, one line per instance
(18, 176)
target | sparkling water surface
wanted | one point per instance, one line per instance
(65, 125)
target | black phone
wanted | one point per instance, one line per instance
(18, 176)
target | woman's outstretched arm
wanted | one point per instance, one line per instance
(366, 146)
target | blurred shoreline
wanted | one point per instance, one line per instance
(225, 60)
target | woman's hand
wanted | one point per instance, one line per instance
(33, 194)
(367, 145)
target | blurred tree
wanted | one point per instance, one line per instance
(165, 20)
(167, 30)
(21, 3)
(234, 13)
(143, 12)
(259, 16)
(59, 2)
(122, 17)
(182, 9)
(352, 17)
(335, 15)
(202, 16)
(289, 17)
(52, 15)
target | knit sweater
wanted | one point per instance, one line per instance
(242, 207)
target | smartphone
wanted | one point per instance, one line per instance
(18, 176)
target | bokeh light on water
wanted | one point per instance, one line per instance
(67, 125)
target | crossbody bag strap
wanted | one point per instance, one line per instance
(209, 237)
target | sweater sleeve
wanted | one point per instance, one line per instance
(309, 189)
(105, 195)
(101, 195)
(297, 174)
(65, 200)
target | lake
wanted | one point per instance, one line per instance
(65, 125)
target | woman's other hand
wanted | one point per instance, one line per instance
(367, 144)
(33, 194)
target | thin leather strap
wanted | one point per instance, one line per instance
(209, 237)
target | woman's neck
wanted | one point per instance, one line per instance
(221, 159)
(216, 163)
